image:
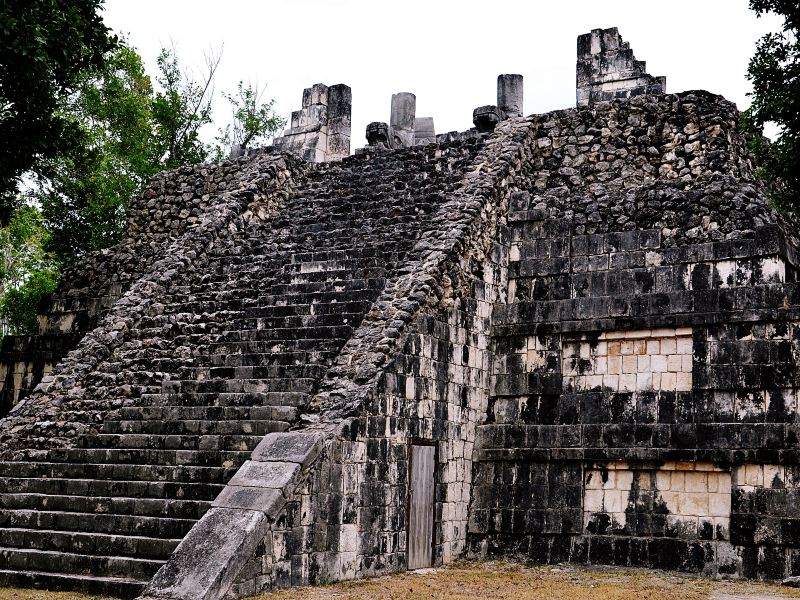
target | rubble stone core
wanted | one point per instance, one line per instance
(592, 316)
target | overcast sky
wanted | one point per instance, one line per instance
(447, 52)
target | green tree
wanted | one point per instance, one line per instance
(253, 120)
(130, 132)
(45, 48)
(774, 71)
(181, 108)
(27, 272)
(84, 193)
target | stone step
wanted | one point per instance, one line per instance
(301, 371)
(348, 267)
(203, 421)
(152, 507)
(80, 564)
(327, 345)
(322, 280)
(116, 472)
(160, 527)
(184, 301)
(350, 282)
(248, 386)
(116, 488)
(136, 441)
(287, 334)
(332, 296)
(204, 458)
(290, 310)
(96, 544)
(272, 358)
(300, 321)
(384, 252)
(117, 587)
(223, 399)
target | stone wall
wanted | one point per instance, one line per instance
(651, 308)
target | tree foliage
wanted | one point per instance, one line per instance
(253, 120)
(181, 109)
(27, 272)
(84, 124)
(84, 192)
(774, 71)
(45, 48)
(130, 132)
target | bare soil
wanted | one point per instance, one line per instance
(511, 581)
(507, 581)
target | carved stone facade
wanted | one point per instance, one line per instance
(320, 131)
(608, 70)
(592, 316)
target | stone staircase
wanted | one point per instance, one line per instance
(234, 351)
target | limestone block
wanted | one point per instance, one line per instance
(316, 94)
(263, 499)
(272, 474)
(295, 447)
(693, 504)
(486, 118)
(696, 482)
(424, 131)
(607, 69)
(719, 504)
(378, 135)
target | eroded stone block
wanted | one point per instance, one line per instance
(294, 447)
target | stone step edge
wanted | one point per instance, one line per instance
(100, 465)
(93, 584)
(101, 498)
(94, 533)
(77, 576)
(32, 551)
(22, 511)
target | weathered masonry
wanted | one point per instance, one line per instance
(565, 337)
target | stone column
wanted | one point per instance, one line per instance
(340, 102)
(401, 122)
(509, 95)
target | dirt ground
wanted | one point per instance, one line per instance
(507, 581)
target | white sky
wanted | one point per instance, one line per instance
(447, 52)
